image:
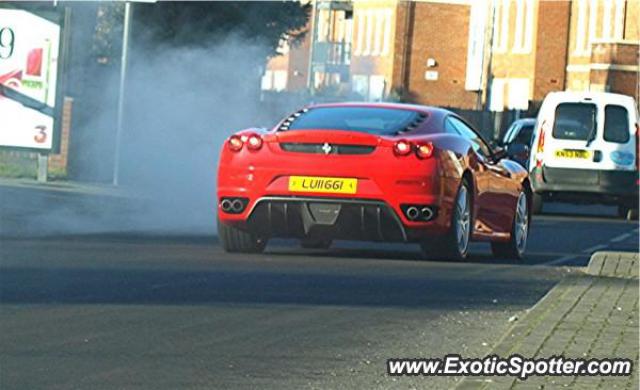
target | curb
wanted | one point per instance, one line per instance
(614, 264)
(570, 319)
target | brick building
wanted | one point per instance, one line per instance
(492, 54)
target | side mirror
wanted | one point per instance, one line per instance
(499, 153)
(517, 150)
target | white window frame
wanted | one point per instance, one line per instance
(369, 33)
(618, 23)
(386, 41)
(606, 19)
(378, 32)
(501, 25)
(581, 30)
(520, 25)
(359, 20)
(523, 41)
(593, 19)
(528, 32)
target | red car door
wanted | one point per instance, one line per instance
(492, 205)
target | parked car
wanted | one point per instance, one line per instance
(376, 172)
(586, 150)
(517, 140)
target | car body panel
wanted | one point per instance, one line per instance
(382, 175)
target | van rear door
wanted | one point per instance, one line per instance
(593, 134)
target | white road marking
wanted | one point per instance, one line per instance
(594, 248)
(621, 237)
(561, 260)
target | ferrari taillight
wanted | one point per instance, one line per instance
(235, 143)
(254, 142)
(424, 150)
(402, 148)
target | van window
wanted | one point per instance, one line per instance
(524, 137)
(616, 124)
(575, 121)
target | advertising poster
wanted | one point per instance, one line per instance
(29, 49)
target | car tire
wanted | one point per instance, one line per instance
(536, 203)
(454, 245)
(628, 213)
(623, 210)
(515, 247)
(310, 243)
(235, 240)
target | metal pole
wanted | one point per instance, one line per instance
(123, 75)
(43, 167)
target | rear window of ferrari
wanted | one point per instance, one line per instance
(372, 120)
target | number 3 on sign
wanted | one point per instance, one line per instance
(41, 137)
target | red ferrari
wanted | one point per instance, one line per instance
(379, 172)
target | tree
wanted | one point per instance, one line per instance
(203, 23)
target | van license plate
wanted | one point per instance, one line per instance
(573, 153)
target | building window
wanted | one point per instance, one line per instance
(267, 80)
(606, 20)
(367, 38)
(619, 19)
(496, 100)
(518, 94)
(378, 32)
(359, 20)
(528, 32)
(279, 80)
(524, 26)
(322, 30)
(593, 17)
(581, 27)
(501, 26)
(387, 32)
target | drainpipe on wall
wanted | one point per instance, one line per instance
(404, 71)
(312, 40)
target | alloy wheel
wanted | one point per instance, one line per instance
(463, 220)
(521, 225)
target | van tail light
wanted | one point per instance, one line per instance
(254, 142)
(424, 150)
(402, 148)
(638, 146)
(540, 147)
(234, 143)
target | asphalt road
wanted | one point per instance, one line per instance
(145, 311)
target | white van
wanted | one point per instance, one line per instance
(585, 150)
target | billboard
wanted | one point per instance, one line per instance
(29, 52)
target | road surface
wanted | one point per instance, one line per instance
(148, 311)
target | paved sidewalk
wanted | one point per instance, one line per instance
(67, 187)
(594, 315)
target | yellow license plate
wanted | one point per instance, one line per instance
(333, 185)
(582, 154)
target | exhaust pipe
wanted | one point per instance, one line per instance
(226, 205)
(427, 213)
(413, 213)
(237, 206)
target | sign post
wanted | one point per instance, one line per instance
(123, 76)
